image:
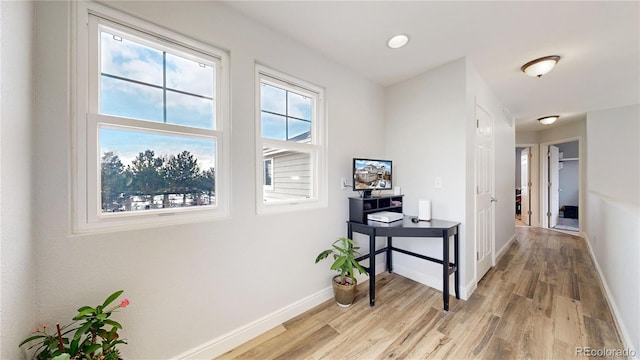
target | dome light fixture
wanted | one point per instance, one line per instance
(541, 66)
(548, 120)
(398, 41)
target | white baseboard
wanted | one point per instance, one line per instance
(626, 339)
(504, 249)
(469, 289)
(239, 336)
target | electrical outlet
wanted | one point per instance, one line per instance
(438, 182)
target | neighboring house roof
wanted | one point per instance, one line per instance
(303, 136)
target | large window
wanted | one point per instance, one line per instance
(291, 142)
(151, 128)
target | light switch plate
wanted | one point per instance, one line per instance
(438, 182)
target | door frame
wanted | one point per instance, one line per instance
(535, 185)
(544, 181)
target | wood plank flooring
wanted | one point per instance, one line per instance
(541, 301)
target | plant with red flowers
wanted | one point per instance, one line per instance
(95, 335)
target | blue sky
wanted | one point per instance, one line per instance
(130, 60)
(274, 99)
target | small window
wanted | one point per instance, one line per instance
(291, 142)
(268, 174)
(150, 132)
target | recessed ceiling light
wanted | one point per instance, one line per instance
(398, 41)
(541, 66)
(547, 120)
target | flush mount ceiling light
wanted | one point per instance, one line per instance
(541, 66)
(547, 120)
(398, 41)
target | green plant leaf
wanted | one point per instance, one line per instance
(92, 348)
(338, 263)
(340, 250)
(62, 357)
(101, 316)
(112, 297)
(81, 330)
(323, 255)
(83, 313)
(31, 338)
(84, 308)
(115, 324)
(73, 348)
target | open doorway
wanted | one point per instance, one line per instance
(562, 184)
(523, 184)
(526, 185)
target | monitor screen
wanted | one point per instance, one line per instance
(369, 174)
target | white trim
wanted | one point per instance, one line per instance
(468, 290)
(503, 250)
(626, 338)
(236, 337)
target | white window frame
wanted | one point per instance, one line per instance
(317, 147)
(86, 155)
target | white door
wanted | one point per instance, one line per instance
(484, 191)
(525, 186)
(554, 185)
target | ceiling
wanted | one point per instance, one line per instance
(599, 43)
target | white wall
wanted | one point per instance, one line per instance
(17, 251)
(527, 137)
(430, 132)
(613, 219)
(425, 138)
(190, 284)
(569, 179)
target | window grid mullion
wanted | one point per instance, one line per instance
(160, 87)
(283, 115)
(164, 86)
(286, 111)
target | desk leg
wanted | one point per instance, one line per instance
(372, 270)
(389, 259)
(456, 257)
(445, 269)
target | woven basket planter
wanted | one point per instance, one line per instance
(344, 294)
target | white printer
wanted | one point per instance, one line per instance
(385, 216)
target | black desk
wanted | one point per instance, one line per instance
(405, 228)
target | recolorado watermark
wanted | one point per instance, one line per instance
(604, 352)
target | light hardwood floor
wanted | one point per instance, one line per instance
(541, 301)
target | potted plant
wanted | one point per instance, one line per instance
(344, 251)
(95, 335)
